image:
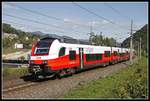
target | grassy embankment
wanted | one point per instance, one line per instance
(129, 83)
(12, 73)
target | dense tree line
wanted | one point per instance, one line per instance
(101, 40)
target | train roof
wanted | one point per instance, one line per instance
(65, 39)
(71, 42)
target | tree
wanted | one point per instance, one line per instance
(101, 40)
(9, 43)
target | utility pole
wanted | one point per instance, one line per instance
(78, 41)
(91, 33)
(140, 47)
(131, 47)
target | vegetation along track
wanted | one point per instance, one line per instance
(57, 88)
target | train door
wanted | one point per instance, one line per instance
(81, 58)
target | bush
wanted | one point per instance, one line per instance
(134, 86)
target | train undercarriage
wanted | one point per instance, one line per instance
(43, 71)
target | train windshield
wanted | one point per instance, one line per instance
(43, 47)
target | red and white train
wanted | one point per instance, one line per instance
(49, 56)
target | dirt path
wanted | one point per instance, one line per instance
(16, 55)
(57, 88)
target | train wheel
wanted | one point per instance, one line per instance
(107, 63)
(112, 62)
(61, 74)
(104, 64)
(72, 70)
(35, 77)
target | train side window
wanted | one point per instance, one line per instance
(122, 54)
(93, 57)
(90, 57)
(62, 51)
(98, 56)
(107, 53)
(115, 53)
(72, 55)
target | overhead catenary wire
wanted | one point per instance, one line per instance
(92, 12)
(45, 15)
(48, 16)
(115, 10)
(34, 27)
(36, 12)
(21, 18)
(56, 18)
(101, 17)
(35, 22)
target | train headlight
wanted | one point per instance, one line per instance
(44, 62)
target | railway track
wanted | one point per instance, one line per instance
(15, 61)
(25, 84)
(29, 84)
(17, 87)
(14, 65)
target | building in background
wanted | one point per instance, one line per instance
(20, 46)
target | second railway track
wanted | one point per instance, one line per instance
(19, 86)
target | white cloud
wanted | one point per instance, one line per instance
(75, 26)
(105, 22)
(94, 23)
(66, 19)
(55, 24)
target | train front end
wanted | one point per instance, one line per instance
(40, 55)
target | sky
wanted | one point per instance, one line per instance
(113, 19)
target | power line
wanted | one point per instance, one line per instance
(31, 26)
(34, 11)
(42, 14)
(51, 17)
(92, 12)
(34, 27)
(58, 19)
(101, 17)
(21, 18)
(115, 10)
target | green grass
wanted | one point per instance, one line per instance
(10, 72)
(130, 83)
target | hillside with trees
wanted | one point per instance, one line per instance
(136, 39)
(24, 38)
